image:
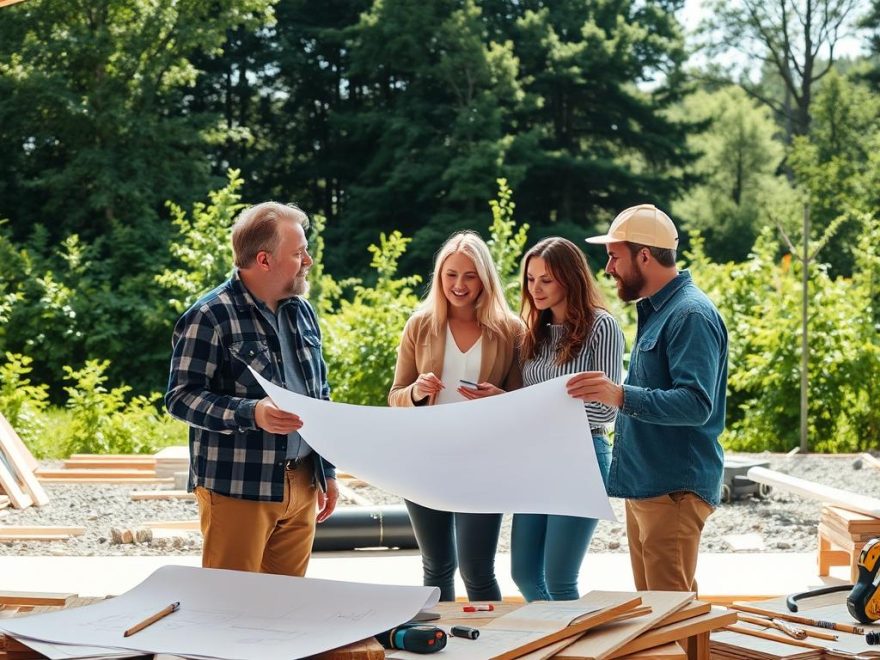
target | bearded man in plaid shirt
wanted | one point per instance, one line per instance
(259, 486)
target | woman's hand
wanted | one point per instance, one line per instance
(595, 386)
(426, 385)
(483, 390)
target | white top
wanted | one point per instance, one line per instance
(458, 366)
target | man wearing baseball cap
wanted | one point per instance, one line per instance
(666, 461)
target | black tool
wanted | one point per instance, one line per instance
(863, 602)
(415, 637)
(791, 601)
(464, 631)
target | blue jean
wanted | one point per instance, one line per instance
(468, 540)
(546, 551)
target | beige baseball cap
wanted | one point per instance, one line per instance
(644, 224)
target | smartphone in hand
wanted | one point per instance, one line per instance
(468, 384)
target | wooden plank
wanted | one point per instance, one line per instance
(612, 604)
(162, 495)
(674, 632)
(4, 501)
(48, 533)
(33, 598)
(147, 463)
(671, 651)
(187, 525)
(842, 498)
(367, 649)
(108, 480)
(603, 641)
(37, 529)
(728, 644)
(106, 457)
(96, 473)
(851, 520)
(10, 486)
(20, 462)
(8, 433)
(870, 459)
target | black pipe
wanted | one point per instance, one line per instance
(352, 527)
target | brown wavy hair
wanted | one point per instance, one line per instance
(568, 265)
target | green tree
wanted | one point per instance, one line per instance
(797, 39)
(430, 123)
(832, 163)
(739, 191)
(203, 247)
(594, 133)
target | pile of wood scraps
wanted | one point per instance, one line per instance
(17, 480)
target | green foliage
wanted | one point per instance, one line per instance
(22, 402)
(506, 242)
(760, 300)
(830, 163)
(362, 334)
(102, 421)
(739, 190)
(203, 247)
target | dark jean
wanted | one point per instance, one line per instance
(546, 551)
(471, 537)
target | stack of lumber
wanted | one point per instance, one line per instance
(171, 460)
(848, 531)
(104, 468)
(18, 485)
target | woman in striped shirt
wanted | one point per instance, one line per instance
(568, 331)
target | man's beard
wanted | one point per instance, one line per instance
(630, 289)
(300, 285)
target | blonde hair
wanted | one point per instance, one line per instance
(493, 312)
(256, 229)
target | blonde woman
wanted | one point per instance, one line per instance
(463, 331)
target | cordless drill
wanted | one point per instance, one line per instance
(863, 602)
(415, 637)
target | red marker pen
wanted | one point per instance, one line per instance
(478, 608)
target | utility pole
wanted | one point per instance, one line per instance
(805, 346)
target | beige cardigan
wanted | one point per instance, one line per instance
(422, 350)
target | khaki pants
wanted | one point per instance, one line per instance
(664, 540)
(264, 537)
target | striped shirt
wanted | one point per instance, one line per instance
(211, 389)
(603, 351)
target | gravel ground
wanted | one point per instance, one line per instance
(779, 523)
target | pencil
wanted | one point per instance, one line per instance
(803, 620)
(161, 614)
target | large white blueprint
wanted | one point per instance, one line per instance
(527, 451)
(230, 614)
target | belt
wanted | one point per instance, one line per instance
(296, 463)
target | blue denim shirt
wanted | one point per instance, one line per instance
(666, 436)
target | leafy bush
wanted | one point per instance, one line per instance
(102, 421)
(22, 402)
(760, 300)
(362, 333)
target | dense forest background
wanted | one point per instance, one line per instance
(131, 132)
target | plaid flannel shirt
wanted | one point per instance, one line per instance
(211, 389)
